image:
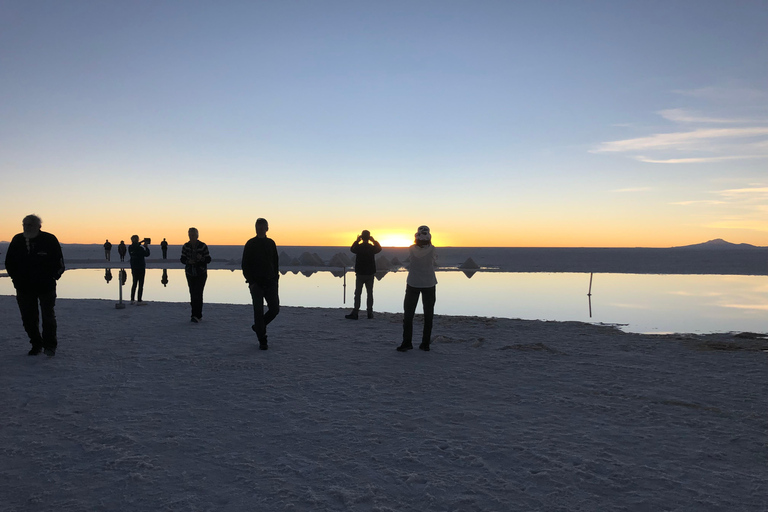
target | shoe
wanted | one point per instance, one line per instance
(351, 316)
(133, 301)
(404, 347)
(34, 351)
(49, 352)
(193, 320)
(370, 315)
(263, 346)
(424, 347)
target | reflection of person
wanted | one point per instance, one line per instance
(138, 266)
(121, 250)
(164, 248)
(34, 262)
(164, 278)
(195, 257)
(108, 250)
(365, 248)
(421, 281)
(107, 275)
(260, 268)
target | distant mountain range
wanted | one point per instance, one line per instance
(718, 244)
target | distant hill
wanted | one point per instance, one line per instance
(717, 244)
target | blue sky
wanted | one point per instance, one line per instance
(496, 123)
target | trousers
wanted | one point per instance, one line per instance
(428, 299)
(138, 280)
(196, 285)
(30, 317)
(259, 294)
(361, 280)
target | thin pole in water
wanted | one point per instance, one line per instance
(120, 304)
(590, 285)
(345, 285)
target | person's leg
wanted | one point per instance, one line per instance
(428, 299)
(359, 281)
(259, 327)
(141, 273)
(409, 310)
(47, 304)
(369, 293)
(195, 296)
(273, 303)
(135, 283)
(30, 318)
(200, 287)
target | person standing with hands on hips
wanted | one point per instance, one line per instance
(195, 257)
(364, 249)
(260, 266)
(421, 281)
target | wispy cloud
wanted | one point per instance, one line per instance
(733, 93)
(632, 189)
(691, 140)
(700, 137)
(681, 115)
(703, 201)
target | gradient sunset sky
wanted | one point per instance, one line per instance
(496, 123)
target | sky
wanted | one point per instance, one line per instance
(496, 123)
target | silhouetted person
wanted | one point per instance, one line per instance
(260, 266)
(164, 248)
(108, 250)
(107, 275)
(195, 257)
(121, 250)
(421, 281)
(138, 266)
(34, 262)
(365, 249)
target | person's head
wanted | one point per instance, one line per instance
(422, 236)
(262, 226)
(122, 241)
(193, 234)
(31, 225)
(135, 239)
(365, 235)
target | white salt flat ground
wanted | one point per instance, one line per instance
(141, 410)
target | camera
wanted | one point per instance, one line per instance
(147, 241)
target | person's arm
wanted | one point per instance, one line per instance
(184, 254)
(12, 258)
(246, 264)
(206, 255)
(276, 260)
(58, 258)
(376, 246)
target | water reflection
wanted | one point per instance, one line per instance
(107, 275)
(646, 303)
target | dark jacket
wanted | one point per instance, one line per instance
(260, 261)
(138, 252)
(365, 262)
(36, 267)
(195, 259)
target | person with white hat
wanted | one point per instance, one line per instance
(421, 281)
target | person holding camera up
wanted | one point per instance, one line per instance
(364, 249)
(138, 251)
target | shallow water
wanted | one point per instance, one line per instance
(638, 302)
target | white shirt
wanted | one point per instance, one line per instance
(421, 270)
